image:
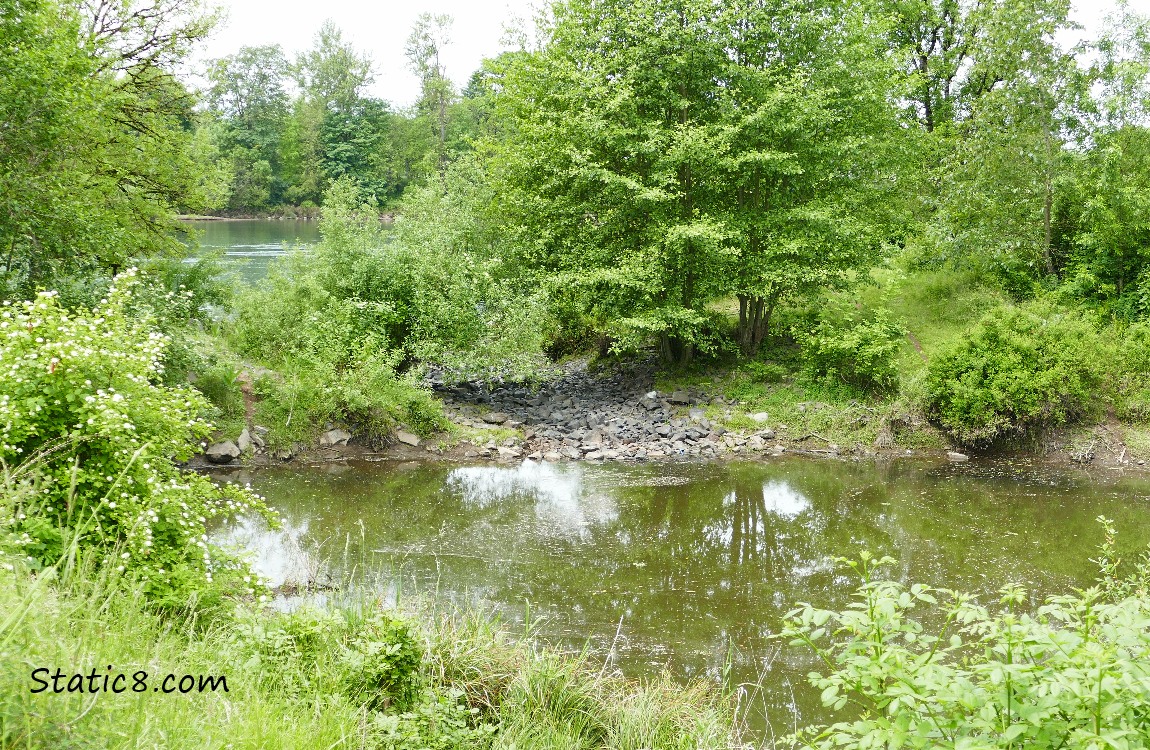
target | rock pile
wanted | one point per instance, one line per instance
(579, 416)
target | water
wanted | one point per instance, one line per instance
(696, 561)
(250, 245)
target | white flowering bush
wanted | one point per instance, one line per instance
(81, 402)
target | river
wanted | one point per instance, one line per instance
(683, 566)
(249, 246)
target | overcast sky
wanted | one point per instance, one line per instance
(381, 28)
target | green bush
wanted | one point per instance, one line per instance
(1019, 369)
(92, 437)
(1072, 674)
(1133, 382)
(855, 349)
(370, 658)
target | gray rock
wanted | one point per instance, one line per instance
(756, 443)
(552, 456)
(471, 453)
(244, 441)
(222, 453)
(767, 434)
(572, 453)
(334, 437)
(760, 416)
(663, 430)
(679, 397)
(408, 438)
(957, 457)
(696, 413)
(495, 417)
(594, 456)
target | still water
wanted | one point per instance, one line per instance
(250, 245)
(682, 567)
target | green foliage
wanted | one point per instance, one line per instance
(350, 674)
(656, 184)
(343, 320)
(923, 668)
(855, 349)
(1020, 368)
(371, 657)
(83, 411)
(94, 156)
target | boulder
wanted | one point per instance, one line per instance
(244, 441)
(552, 456)
(696, 413)
(408, 438)
(334, 437)
(957, 457)
(495, 417)
(760, 416)
(756, 443)
(223, 453)
(679, 397)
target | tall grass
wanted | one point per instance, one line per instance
(355, 674)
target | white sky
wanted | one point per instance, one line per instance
(381, 27)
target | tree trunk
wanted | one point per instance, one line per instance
(754, 322)
(675, 351)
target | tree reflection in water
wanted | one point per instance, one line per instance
(700, 561)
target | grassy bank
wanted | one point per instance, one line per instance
(356, 675)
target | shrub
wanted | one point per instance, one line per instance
(1020, 368)
(369, 657)
(1133, 387)
(83, 411)
(855, 349)
(1071, 675)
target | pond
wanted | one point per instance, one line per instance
(684, 567)
(250, 245)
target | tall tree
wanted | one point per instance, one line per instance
(248, 94)
(665, 154)
(428, 38)
(94, 133)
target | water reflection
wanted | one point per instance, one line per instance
(699, 561)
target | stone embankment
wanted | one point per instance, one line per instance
(614, 417)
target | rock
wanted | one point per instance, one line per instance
(594, 456)
(536, 456)
(679, 397)
(767, 434)
(244, 441)
(495, 417)
(663, 430)
(260, 430)
(471, 453)
(696, 413)
(760, 416)
(334, 437)
(756, 443)
(223, 453)
(408, 438)
(957, 457)
(552, 456)
(572, 453)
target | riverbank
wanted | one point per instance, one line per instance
(633, 412)
(255, 677)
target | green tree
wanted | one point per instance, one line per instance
(424, 46)
(247, 93)
(94, 137)
(661, 156)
